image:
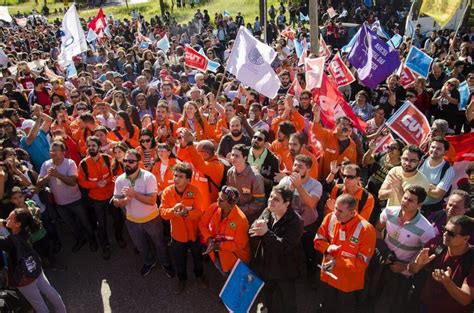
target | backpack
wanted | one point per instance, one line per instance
(444, 169)
(223, 181)
(361, 203)
(83, 164)
(28, 262)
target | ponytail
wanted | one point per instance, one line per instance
(27, 220)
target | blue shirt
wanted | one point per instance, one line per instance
(38, 150)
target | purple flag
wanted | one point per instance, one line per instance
(373, 58)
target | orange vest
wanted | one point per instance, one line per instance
(133, 142)
(200, 133)
(369, 204)
(231, 232)
(96, 171)
(183, 228)
(357, 240)
(168, 177)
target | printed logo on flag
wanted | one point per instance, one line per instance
(255, 57)
(410, 124)
(418, 61)
(339, 71)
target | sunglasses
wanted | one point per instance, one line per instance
(350, 177)
(258, 138)
(450, 233)
(145, 140)
(129, 161)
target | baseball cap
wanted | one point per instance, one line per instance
(27, 124)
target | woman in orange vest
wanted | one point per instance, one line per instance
(125, 131)
(147, 149)
(193, 121)
(224, 227)
(163, 168)
(118, 151)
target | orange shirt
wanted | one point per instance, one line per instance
(96, 171)
(167, 179)
(183, 228)
(80, 137)
(330, 149)
(170, 130)
(133, 141)
(295, 117)
(288, 164)
(366, 210)
(231, 232)
(221, 123)
(199, 132)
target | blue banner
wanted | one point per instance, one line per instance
(464, 92)
(418, 61)
(395, 41)
(240, 289)
(373, 58)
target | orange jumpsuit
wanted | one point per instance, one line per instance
(357, 240)
(96, 171)
(133, 141)
(366, 209)
(231, 232)
(295, 117)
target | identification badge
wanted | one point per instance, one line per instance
(342, 235)
(246, 190)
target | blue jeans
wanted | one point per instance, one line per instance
(154, 229)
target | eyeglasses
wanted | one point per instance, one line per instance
(129, 161)
(258, 138)
(350, 177)
(450, 233)
(145, 140)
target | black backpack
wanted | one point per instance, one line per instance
(28, 262)
(227, 166)
(83, 164)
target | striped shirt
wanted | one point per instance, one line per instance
(407, 239)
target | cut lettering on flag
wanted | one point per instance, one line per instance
(442, 11)
(339, 71)
(418, 61)
(73, 40)
(163, 43)
(194, 59)
(407, 78)
(373, 58)
(464, 93)
(5, 15)
(250, 62)
(382, 142)
(314, 69)
(409, 124)
(333, 105)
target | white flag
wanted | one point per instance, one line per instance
(314, 69)
(73, 40)
(163, 43)
(5, 15)
(250, 62)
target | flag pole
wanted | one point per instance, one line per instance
(451, 46)
(222, 81)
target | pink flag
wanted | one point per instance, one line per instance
(314, 72)
(98, 23)
(295, 89)
(382, 142)
(339, 71)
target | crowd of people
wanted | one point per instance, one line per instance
(140, 141)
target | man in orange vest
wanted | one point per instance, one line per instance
(336, 145)
(348, 242)
(182, 205)
(95, 175)
(225, 230)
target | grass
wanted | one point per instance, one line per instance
(248, 8)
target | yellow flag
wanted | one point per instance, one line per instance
(442, 11)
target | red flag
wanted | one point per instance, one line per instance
(323, 49)
(333, 105)
(295, 89)
(194, 59)
(288, 33)
(382, 142)
(339, 71)
(464, 147)
(407, 78)
(409, 124)
(98, 23)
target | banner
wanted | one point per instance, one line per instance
(98, 23)
(314, 69)
(241, 288)
(464, 93)
(333, 105)
(73, 40)
(407, 78)
(5, 15)
(373, 58)
(418, 61)
(382, 142)
(295, 88)
(464, 147)
(409, 124)
(339, 71)
(194, 59)
(442, 11)
(250, 62)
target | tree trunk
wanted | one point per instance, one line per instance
(126, 3)
(162, 7)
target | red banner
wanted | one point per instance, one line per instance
(333, 105)
(382, 142)
(339, 71)
(407, 78)
(409, 124)
(98, 23)
(295, 89)
(194, 59)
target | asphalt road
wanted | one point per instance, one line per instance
(89, 284)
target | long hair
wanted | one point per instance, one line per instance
(128, 123)
(27, 220)
(197, 115)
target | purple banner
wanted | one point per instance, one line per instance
(373, 58)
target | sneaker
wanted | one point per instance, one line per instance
(146, 269)
(180, 287)
(78, 245)
(106, 253)
(169, 270)
(93, 245)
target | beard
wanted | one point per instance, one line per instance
(130, 170)
(93, 153)
(409, 169)
(236, 133)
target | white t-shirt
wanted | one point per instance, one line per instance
(63, 194)
(433, 174)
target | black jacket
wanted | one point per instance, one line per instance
(278, 251)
